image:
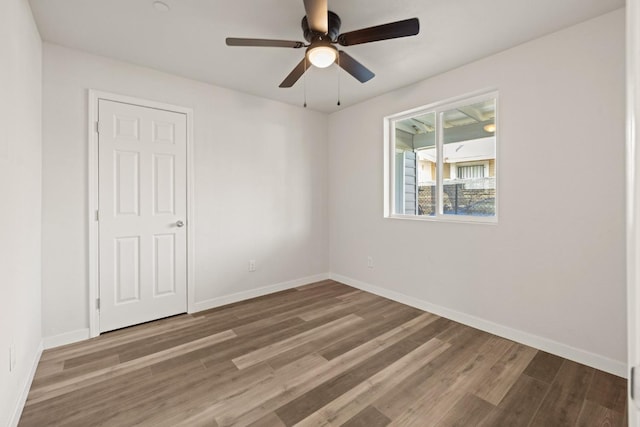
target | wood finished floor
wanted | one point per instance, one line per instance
(321, 354)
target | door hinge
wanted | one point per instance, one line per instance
(97, 215)
(97, 303)
(97, 127)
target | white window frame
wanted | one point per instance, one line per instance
(389, 155)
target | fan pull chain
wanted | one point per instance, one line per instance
(338, 79)
(305, 81)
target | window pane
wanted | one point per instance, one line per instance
(469, 160)
(474, 171)
(415, 165)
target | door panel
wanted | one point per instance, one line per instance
(127, 269)
(163, 184)
(127, 188)
(142, 196)
(164, 262)
(163, 133)
(126, 128)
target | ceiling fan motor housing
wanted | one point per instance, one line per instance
(333, 22)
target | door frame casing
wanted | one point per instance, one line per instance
(633, 198)
(94, 96)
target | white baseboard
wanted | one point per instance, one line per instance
(17, 413)
(66, 338)
(253, 293)
(602, 363)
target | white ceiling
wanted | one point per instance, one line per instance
(189, 40)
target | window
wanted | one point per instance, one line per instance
(442, 161)
(470, 171)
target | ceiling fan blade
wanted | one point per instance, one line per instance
(232, 41)
(392, 30)
(353, 67)
(296, 73)
(317, 12)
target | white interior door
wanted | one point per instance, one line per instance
(142, 214)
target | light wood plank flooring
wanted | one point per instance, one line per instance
(321, 354)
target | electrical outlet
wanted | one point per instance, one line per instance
(12, 357)
(370, 262)
(252, 265)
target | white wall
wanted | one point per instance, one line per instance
(554, 266)
(260, 183)
(20, 189)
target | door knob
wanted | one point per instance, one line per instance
(179, 223)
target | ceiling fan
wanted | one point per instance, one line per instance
(321, 29)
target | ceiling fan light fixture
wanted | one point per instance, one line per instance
(491, 127)
(322, 56)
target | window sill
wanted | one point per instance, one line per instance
(465, 219)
